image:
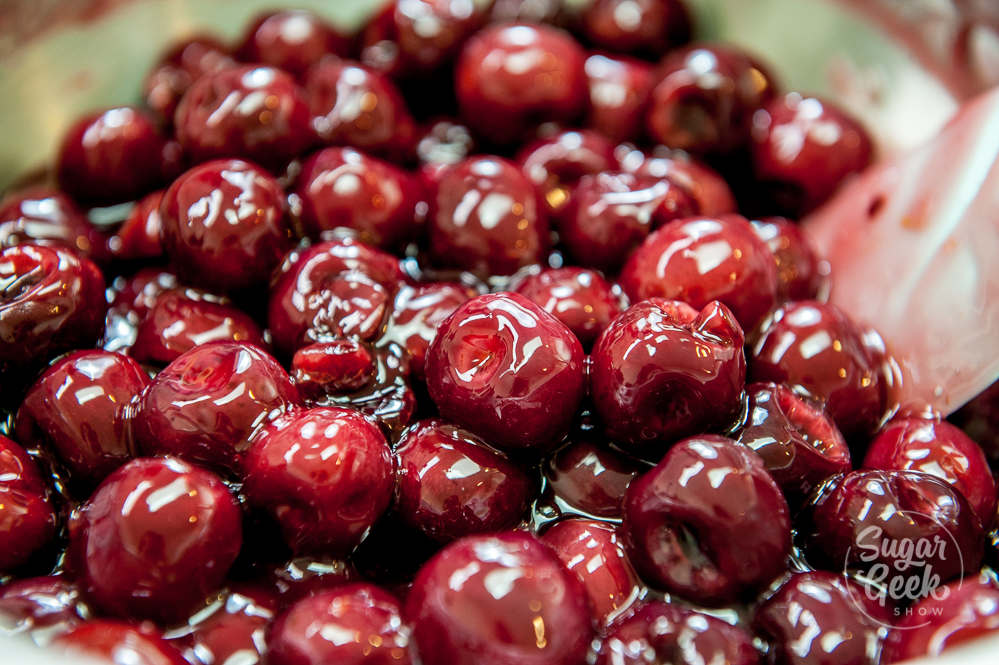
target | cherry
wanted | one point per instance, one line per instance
(301, 577)
(358, 624)
(661, 632)
(630, 26)
(179, 67)
(343, 188)
(498, 600)
(662, 371)
(800, 274)
(510, 77)
(83, 408)
(619, 89)
(223, 225)
(816, 346)
(44, 216)
(27, 522)
(450, 484)
(700, 259)
(325, 475)
(44, 606)
(681, 519)
(857, 521)
(139, 235)
(331, 367)
(485, 217)
(121, 643)
(231, 630)
(591, 478)
(804, 147)
(137, 294)
(799, 444)
(444, 141)
(207, 404)
(705, 98)
(709, 190)
(592, 551)
(527, 11)
(253, 112)
(581, 299)
(820, 618)
(292, 40)
(111, 156)
(501, 359)
(940, 449)
(151, 525)
(979, 418)
(556, 163)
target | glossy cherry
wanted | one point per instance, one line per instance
(591, 478)
(139, 235)
(232, 629)
(504, 599)
(682, 517)
(344, 365)
(556, 163)
(179, 67)
(581, 299)
(501, 359)
(817, 346)
(485, 217)
(155, 539)
(27, 519)
(292, 40)
(619, 90)
(630, 26)
(45, 607)
(120, 643)
(325, 475)
(17, 469)
(711, 194)
(44, 216)
(510, 77)
(444, 141)
(304, 576)
(800, 273)
(662, 371)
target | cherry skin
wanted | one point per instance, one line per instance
(43, 606)
(712, 195)
(444, 141)
(682, 517)
(661, 632)
(223, 225)
(591, 478)
(592, 550)
(139, 235)
(343, 188)
(800, 274)
(804, 148)
(179, 67)
(705, 99)
(979, 419)
(150, 524)
(629, 26)
(292, 40)
(83, 408)
(485, 218)
(821, 618)
(940, 449)
(556, 163)
(344, 365)
(450, 484)
(816, 346)
(325, 475)
(358, 624)
(619, 89)
(17, 469)
(501, 359)
(854, 518)
(253, 112)
(111, 156)
(581, 299)
(662, 371)
(235, 630)
(701, 259)
(27, 522)
(301, 577)
(121, 644)
(511, 77)
(44, 216)
(799, 444)
(460, 617)
(207, 404)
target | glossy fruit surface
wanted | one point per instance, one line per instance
(581, 299)
(591, 478)
(801, 275)
(636, 26)
(292, 40)
(556, 163)
(121, 644)
(44, 216)
(619, 89)
(178, 68)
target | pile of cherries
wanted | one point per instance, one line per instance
(446, 343)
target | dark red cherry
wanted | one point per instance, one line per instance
(450, 484)
(340, 188)
(356, 106)
(182, 319)
(800, 273)
(300, 577)
(42, 606)
(816, 346)
(940, 449)
(700, 259)
(957, 613)
(111, 156)
(619, 89)
(592, 550)
(139, 235)
(661, 632)
(120, 643)
(51, 301)
(591, 478)
(233, 629)
(683, 517)
(179, 67)
(485, 217)
(804, 147)
(876, 522)
(341, 366)
(821, 618)
(979, 418)
(662, 371)
(501, 359)
(709, 190)
(798, 442)
(512, 77)
(208, 403)
(44, 216)
(223, 225)
(253, 112)
(504, 599)
(358, 624)
(581, 299)
(325, 475)
(705, 98)
(17, 469)
(292, 40)
(27, 522)
(556, 163)
(83, 408)
(155, 539)
(444, 141)
(629, 26)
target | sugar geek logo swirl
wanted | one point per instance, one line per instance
(898, 572)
